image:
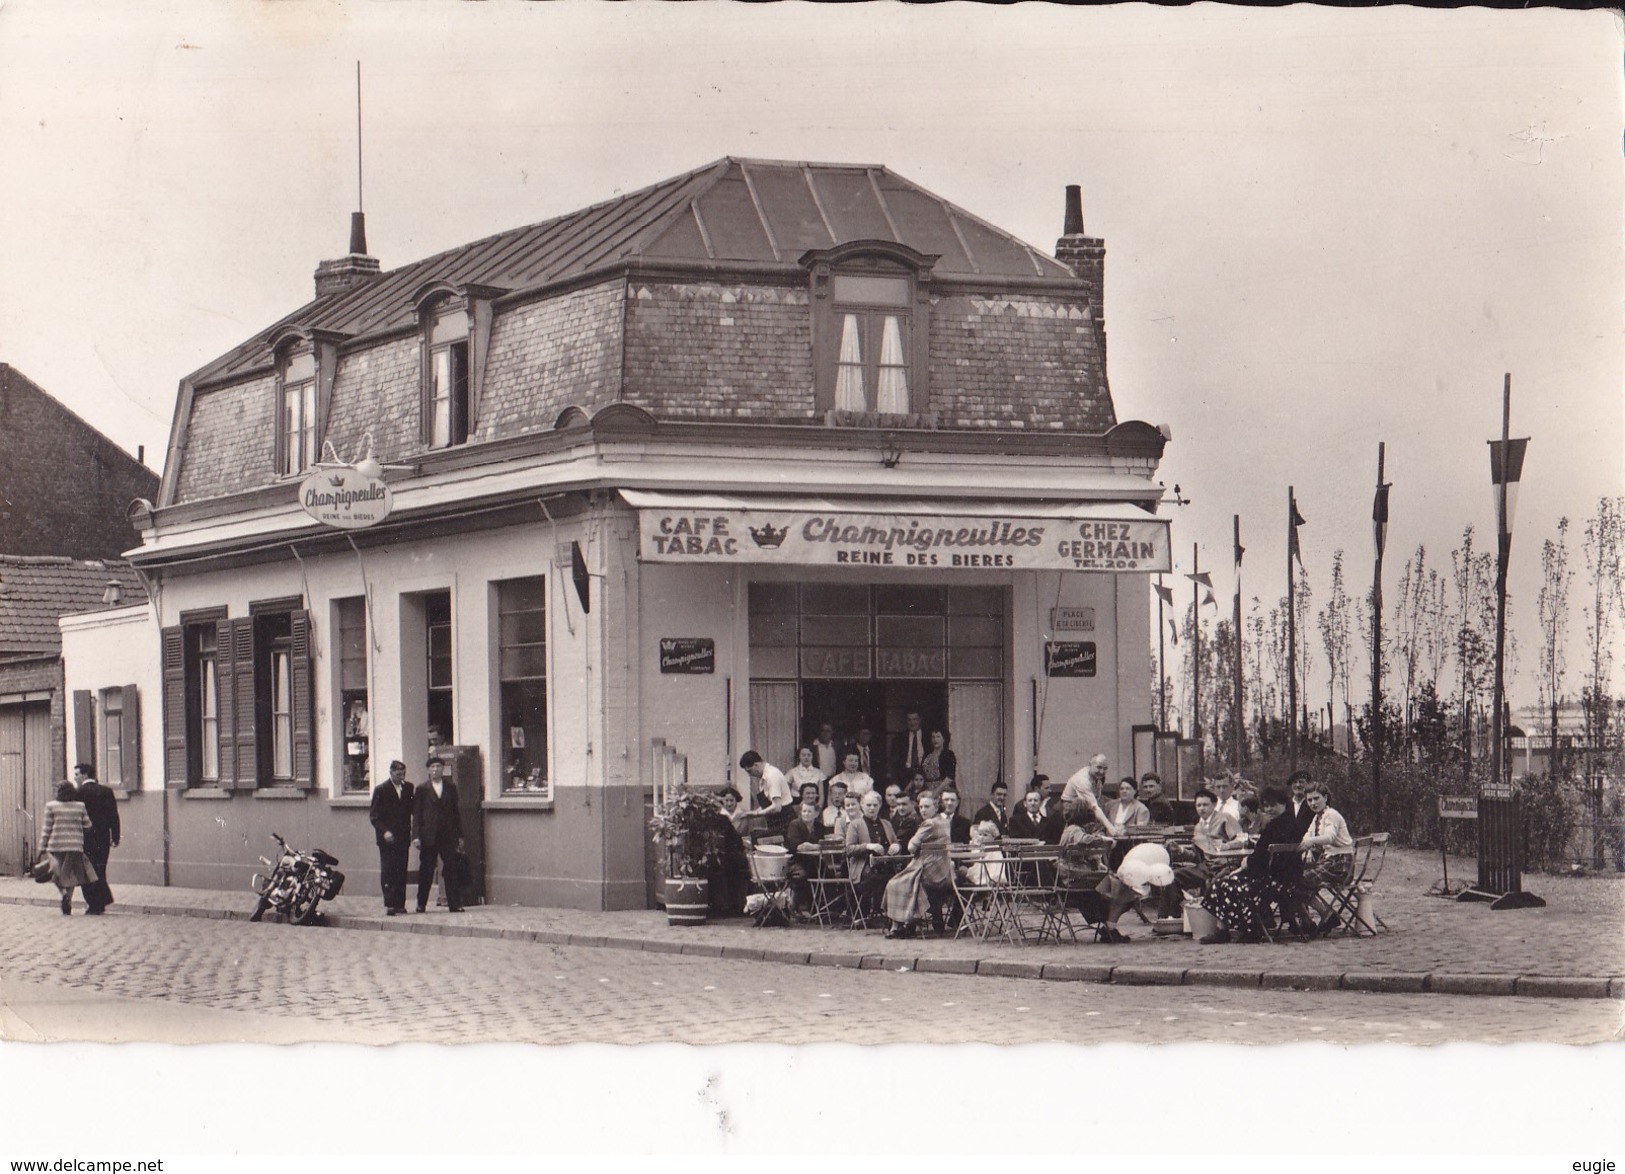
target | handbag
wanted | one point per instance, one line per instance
(42, 870)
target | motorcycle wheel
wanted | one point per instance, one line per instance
(259, 910)
(302, 909)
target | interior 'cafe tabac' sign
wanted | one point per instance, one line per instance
(946, 541)
(346, 497)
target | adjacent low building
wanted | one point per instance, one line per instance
(601, 503)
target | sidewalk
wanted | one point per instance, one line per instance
(1573, 948)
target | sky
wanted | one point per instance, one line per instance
(1324, 228)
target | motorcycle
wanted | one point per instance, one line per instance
(297, 884)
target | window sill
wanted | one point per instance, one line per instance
(281, 793)
(351, 799)
(518, 803)
(841, 418)
(205, 793)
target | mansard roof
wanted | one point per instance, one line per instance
(750, 211)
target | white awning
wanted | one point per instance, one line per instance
(866, 532)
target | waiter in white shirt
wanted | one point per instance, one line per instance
(771, 788)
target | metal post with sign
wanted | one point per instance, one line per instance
(1452, 807)
(1500, 816)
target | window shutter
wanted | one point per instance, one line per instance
(243, 709)
(130, 738)
(304, 712)
(84, 730)
(173, 641)
(279, 448)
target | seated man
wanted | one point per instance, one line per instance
(1150, 793)
(993, 811)
(1029, 817)
(832, 810)
(1216, 831)
(905, 817)
(958, 824)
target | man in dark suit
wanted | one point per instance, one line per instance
(958, 821)
(993, 810)
(391, 816)
(102, 807)
(1027, 820)
(912, 747)
(863, 746)
(437, 830)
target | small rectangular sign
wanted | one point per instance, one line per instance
(1496, 791)
(1066, 658)
(684, 654)
(1458, 807)
(1072, 619)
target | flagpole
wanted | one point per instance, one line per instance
(1162, 663)
(1380, 522)
(1196, 645)
(1240, 736)
(1291, 632)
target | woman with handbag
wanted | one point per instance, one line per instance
(63, 836)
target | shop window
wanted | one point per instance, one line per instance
(238, 707)
(350, 623)
(296, 414)
(522, 676)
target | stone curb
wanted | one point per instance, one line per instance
(1380, 982)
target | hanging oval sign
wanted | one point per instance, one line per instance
(343, 496)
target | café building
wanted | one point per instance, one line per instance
(600, 503)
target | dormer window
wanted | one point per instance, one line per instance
(872, 365)
(446, 383)
(870, 310)
(296, 415)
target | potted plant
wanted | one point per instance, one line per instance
(688, 829)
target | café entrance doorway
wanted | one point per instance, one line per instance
(882, 706)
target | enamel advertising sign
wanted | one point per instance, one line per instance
(828, 537)
(343, 496)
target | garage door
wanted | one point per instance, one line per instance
(25, 779)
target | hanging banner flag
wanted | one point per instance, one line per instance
(1166, 594)
(1294, 520)
(1207, 598)
(1201, 577)
(1379, 518)
(1508, 469)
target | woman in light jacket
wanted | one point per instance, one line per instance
(917, 891)
(63, 836)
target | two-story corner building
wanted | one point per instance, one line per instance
(679, 475)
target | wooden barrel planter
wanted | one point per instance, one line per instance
(687, 900)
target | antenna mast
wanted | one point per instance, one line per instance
(358, 219)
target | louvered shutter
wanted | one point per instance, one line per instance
(301, 671)
(244, 704)
(173, 641)
(130, 738)
(84, 731)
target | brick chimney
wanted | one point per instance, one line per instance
(1085, 256)
(345, 273)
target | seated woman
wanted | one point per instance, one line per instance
(732, 806)
(926, 884)
(1216, 831)
(1328, 852)
(867, 837)
(1128, 811)
(850, 810)
(1241, 900)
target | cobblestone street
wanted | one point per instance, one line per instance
(347, 985)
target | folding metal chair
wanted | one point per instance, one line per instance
(981, 884)
(770, 874)
(1344, 897)
(829, 884)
